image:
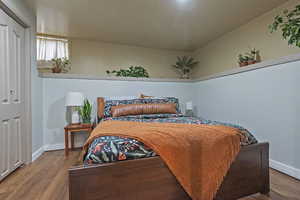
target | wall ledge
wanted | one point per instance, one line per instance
(94, 77)
(264, 64)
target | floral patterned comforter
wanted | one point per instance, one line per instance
(110, 148)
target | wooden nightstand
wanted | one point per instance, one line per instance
(72, 129)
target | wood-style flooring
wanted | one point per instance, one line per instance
(46, 179)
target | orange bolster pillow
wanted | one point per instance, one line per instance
(140, 109)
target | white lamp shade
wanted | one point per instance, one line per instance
(74, 99)
(189, 105)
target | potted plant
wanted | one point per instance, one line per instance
(249, 58)
(60, 65)
(85, 112)
(253, 56)
(132, 71)
(243, 60)
(289, 25)
(184, 66)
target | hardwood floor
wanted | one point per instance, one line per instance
(46, 179)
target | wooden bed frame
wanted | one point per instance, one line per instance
(151, 179)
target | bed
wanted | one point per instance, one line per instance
(142, 174)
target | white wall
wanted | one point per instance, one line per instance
(266, 101)
(56, 89)
(20, 9)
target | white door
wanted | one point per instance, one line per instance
(12, 93)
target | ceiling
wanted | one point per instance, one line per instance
(167, 24)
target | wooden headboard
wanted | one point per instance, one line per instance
(100, 109)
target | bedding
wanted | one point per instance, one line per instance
(107, 149)
(199, 156)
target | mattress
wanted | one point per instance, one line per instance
(108, 149)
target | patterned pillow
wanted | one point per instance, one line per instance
(110, 103)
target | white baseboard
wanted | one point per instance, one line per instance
(50, 147)
(37, 153)
(289, 170)
(53, 147)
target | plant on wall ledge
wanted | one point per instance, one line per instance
(184, 66)
(133, 71)
(289, 24)
(60, 65)
(249, 58)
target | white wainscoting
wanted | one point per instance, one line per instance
(266, 101)
(54, 92)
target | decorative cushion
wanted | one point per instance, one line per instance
(142, 96)
(140, 109)
(110, 103)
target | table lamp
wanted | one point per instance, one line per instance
(189, 109)
(74, 100)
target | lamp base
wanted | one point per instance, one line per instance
(189, 113)
(75, 117)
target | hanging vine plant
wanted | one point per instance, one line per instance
(289, 23)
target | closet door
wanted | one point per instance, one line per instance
(12, 88)
(4, 95)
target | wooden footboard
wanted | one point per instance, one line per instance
(150, 179)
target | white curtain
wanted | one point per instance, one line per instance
(49, 48)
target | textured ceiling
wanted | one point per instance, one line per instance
(166, 24)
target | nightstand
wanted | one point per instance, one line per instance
(72, 129)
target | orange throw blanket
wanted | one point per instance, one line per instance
(199, 156)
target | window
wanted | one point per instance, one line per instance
(51, 47)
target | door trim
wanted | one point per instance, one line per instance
(27, 156)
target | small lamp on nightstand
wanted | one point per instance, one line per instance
(74, 100)
(189, 109)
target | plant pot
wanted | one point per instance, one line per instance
(251, 62)
(56, 70)
(86, 121)
(185, 76)
(243, 64)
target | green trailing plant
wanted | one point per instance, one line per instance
(60, 65)
(85, 112)
(184, 65)
(289, 24)
(133, 71)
